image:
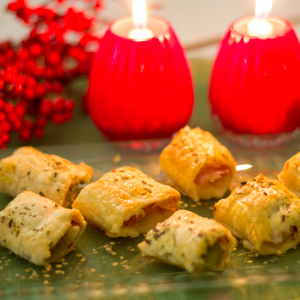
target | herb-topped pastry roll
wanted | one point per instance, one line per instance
(264, 214)
(47, 175)
(126, 202)
(189, 241)
(198, 164)
(38, 229)
(290, 174)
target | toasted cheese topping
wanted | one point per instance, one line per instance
(198, 164)
(38, 229)
(189, 241)
(126, 202)
(47, 175)
(263, 213)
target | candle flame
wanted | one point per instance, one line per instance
(263, 8)
(139, 13)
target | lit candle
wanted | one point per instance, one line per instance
(139, 14)
(260, 26)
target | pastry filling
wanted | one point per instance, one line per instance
(214, 255)
(210, 175)
(66, 243)
(135, 219)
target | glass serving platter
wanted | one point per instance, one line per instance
(114, 268)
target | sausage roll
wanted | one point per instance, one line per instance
(290, 174)
(126, 202)
(198, 164)
(38, 229)
(48, 175)
(264, 214)
(189, 241)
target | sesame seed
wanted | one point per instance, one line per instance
(46, 282)
(115, 264)
(249, 261)
(27, 270)
(132, 249)
(83, 259)
(199, 203)
(114, 253)
(65, 263)
(108, 249)
(58, 266)
(234, 249)
(47, 275)
(211, 208)
(121, 257)
(59, 272)
(185, 205)
(279, 252)
(193, 205)
(112, 243)
(79, 255)
(95, 252)
(93, 270)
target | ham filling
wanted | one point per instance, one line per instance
(209, 174)
(134, 219)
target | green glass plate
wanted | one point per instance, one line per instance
(103, 267)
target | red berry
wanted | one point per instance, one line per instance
(18, 89)
(31, 82)
(53, 58)
(41, 122)
(49, 72)
(23, 54)
(28, 124)
(46, 108)
(57, 87)
(69, 105)
(2, 145)
(1, 84)
(35, 49)
(12, 118)
(67, 116)
(29, 93)
(20, 111)
(17, 126)
(40, 91)
(8, 108)
(38, 71)
(2, 117)
(13, 70)
(58, 104)
(6, 127)
(7, 76)
(39, 132)
(23, 103)
(21, 79)
(58, 118)
(25, 135)
(5, 138)
(1, 104)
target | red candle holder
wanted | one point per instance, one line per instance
(140, 89)
(255, 85)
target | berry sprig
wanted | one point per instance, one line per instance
(59, 48)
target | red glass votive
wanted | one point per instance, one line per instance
(255, 85)
(140, 89)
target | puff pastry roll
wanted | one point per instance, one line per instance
(48, 175)
(290, 174)
(38, 229)
(126, 202)
(198, 164)
(264, 214)
(189, 241)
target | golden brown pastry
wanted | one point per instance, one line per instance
(126, 202)
(198, 164)
(290, 174)
(189, 241)
(264, 214)
(38, 229)
(51, 176)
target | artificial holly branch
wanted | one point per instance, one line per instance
(59, 48)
